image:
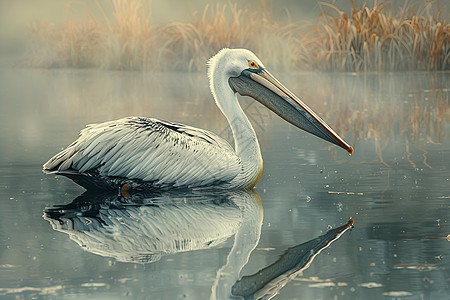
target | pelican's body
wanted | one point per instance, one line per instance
(148, 152)
(145, 152)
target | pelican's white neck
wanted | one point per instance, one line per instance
(245, 141)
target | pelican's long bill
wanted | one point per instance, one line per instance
(263, 87)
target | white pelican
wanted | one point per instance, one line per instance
(149, 153)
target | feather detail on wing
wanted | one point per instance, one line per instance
(166, 154)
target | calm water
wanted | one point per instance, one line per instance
(396, 187)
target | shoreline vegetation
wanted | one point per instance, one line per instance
(415, 37)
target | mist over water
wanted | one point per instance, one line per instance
(150, 35)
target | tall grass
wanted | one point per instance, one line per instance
(369, 39)
(376, 38)
(124, 41)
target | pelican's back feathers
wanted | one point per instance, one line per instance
(143, 149)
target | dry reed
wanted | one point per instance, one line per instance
(369, 39)
(375, 39)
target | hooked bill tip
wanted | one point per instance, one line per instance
(350, 222)
(350, 150)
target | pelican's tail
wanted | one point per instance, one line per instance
(60, 162)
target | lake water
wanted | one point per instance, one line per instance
(56, 242)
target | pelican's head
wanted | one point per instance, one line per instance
(247, 75)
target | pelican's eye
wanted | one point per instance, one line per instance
(252, 64)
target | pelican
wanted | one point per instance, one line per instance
(144, 152)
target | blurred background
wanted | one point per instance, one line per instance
(151, 35)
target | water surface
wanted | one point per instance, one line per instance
(396, 187)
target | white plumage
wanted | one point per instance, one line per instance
(160, 153)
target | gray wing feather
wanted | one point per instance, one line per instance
(149, 150)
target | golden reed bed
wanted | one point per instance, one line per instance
(413, 37)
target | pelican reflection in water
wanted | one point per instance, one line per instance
(143, 228)
(149, 153)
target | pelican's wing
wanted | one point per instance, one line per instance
(166, 154)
